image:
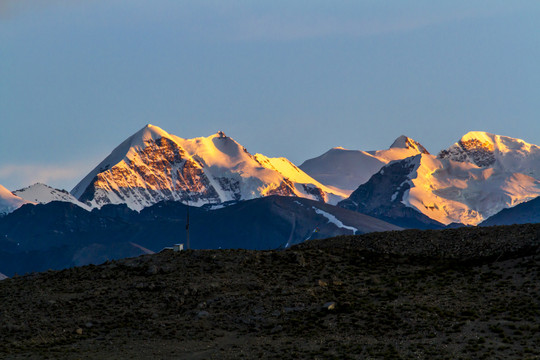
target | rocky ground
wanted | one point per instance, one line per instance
(451, 294)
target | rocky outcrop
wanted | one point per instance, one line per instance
(480, 153)
(382, 197)
(153, 166)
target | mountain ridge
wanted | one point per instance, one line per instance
(61, 234)
(153, 165)
(43, 194)
(347, 169)
(472, 180)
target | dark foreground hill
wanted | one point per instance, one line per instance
(450, 294)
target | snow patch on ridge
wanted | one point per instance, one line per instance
(405, 142)
(152, 166)
(305, 185)
(334, 220)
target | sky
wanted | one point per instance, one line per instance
(283, 78)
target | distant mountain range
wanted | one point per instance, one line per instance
(467, 183)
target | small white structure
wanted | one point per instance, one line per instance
(178, 247)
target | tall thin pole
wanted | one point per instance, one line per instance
(187, 227)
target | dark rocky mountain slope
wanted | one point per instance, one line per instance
(382, 196)
(525, 213)
(60, 235)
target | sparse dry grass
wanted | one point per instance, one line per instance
(248, 304)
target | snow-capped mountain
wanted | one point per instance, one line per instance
(9, 202)
(475, 178)
(404, 143)
(153, 165)
(344, 169)
(386, 193)
(44, 194)
(503, 153)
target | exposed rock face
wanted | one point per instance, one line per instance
(475, 178)
(285, 188)
(161, 170)
(153, 166)
(476, 151)
(382, 196)
(405, 142)
(316, 192)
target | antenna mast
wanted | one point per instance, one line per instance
(187, 227)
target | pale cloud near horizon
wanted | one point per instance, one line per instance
(17, 176)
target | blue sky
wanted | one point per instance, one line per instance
(283, 78)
